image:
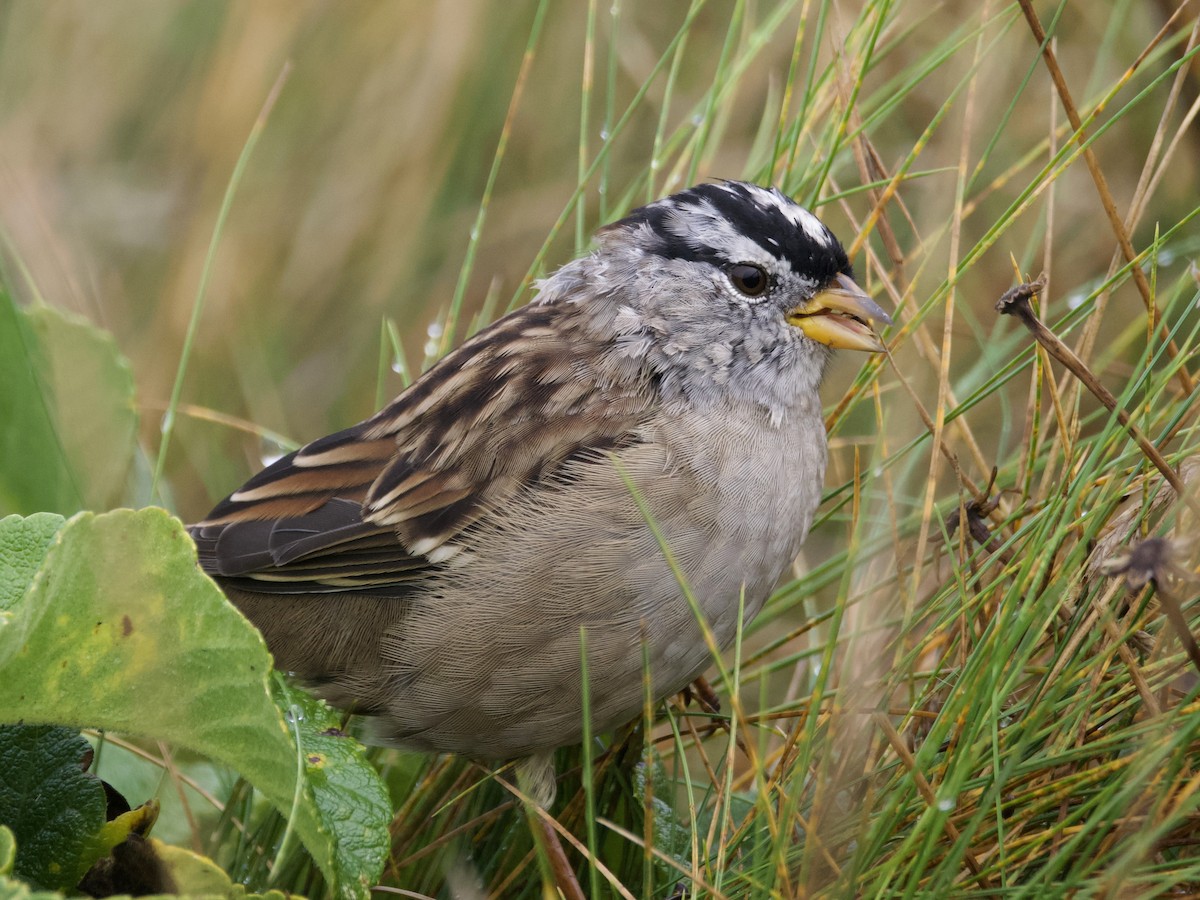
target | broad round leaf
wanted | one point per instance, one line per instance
(120, 630)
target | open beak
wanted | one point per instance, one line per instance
(841, 316)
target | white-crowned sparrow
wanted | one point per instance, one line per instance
(433, 565)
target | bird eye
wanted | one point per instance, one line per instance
(750, 280)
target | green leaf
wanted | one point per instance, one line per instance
(16, 890)
(670, 836)
(53, 806)
(23, 545)
(8, 850)
(35, 475)
(68, 409)
(191, 872)
(94, 407)
(120, 630)
(138, 820)
(198, 876)
(345, 786)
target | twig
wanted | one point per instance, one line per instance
(1016, 302)
(1173, 609)
(564, 876)
(1089, 156)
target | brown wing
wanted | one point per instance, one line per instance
(297, 525)
(373, 506)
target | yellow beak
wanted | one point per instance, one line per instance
(841, 316)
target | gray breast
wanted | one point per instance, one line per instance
(728, 498)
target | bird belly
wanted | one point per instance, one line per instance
(488, 658)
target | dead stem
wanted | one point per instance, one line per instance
(1016, 302)
(1093, 165)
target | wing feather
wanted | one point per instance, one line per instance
(374, 506)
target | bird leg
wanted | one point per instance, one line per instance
(704, 695)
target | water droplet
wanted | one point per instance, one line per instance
(168, 421)
(435, 329)
(697, 120)
(269, 459)
(1166, 257)
(294, 714)
(474, 234)
(601, 190)
(431, 348)
(397, 367)
(946, 804)
(1075, 300)
(604, 134)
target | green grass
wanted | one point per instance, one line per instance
(916, 712)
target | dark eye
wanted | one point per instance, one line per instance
(750, 280)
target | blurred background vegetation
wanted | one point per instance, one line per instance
(928, 135)
(121, 122)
